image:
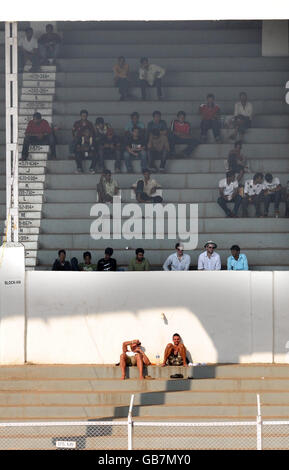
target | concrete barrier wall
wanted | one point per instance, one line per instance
(221, 316)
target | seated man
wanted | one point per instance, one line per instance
(107, 263)
(134, 357)
(101, 129)
(38, 132)
(237, 261)
(79, 128)
(253, 194)
(121, 73)
(135, 147)
(272, 193)
(85, 148)
(139, 263)
(110, 146)
(177, 261)
(210, 113)
(286, 199)
(107, 187)
(134, 122)
(243, 113)
(60, 264)
(158, 147)
(49, 45)
(87, 265)
(209, 260)
(175, 353)
(229, 193)
(28, 51)
(150, 75)
(145, 189)
(237, 163)
(180, 133)
(157, 123)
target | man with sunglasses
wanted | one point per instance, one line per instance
(209, 260)
(177, 261)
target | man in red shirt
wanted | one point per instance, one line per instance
(38, 132)
(210, 113)
(79, 128)
(181, 134)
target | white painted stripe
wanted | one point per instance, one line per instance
(32, 178)
(31, 185)
(29, 215)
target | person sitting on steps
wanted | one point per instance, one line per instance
(175, 353)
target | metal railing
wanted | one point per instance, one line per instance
(143, 435)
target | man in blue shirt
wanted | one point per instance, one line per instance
(134, 122)
(157, 123)
(237, 261)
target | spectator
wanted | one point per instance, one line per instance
(145, 189)
(134, 122)
(175, 353)
(229, 193)
(49, 45)
(87, 265)
(101, 129)
(243, 113)
(177, 261)
(139, 263)
(110, 146)
(79, 128)
(121, 73)
(150, 75)
(237, 261)
(107, 187)
(210, 113)
(135, 147)
(209, 260)
(158, 147)
(60, 264)
(253, 194)
(272, 193)
(181, 134)
(28, 51)
(85, 148)
(236, 161)
(134, 357)
(38, 132)
(157, 123)
(107, 263)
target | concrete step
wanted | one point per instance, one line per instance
(197, 93)
(159, 50)
(182, 64)
(113, 107)
(160, 37)
(173, 78)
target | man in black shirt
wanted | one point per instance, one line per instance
(135, 147)
(107, 263)
(109, 146)
(60, 264)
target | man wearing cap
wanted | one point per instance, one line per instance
(209, 260)
(177, 261)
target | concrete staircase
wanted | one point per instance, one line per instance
(223, 58)
(95, 392)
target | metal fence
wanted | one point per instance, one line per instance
(142, 435)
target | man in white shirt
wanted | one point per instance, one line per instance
(177, 261)
(272, 193)
(253, 193)
(229, 193)
(150, 75)
(209, 260)
(28, 50)
(243, 113)
(145, 189)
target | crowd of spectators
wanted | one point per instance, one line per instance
(208, 260)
